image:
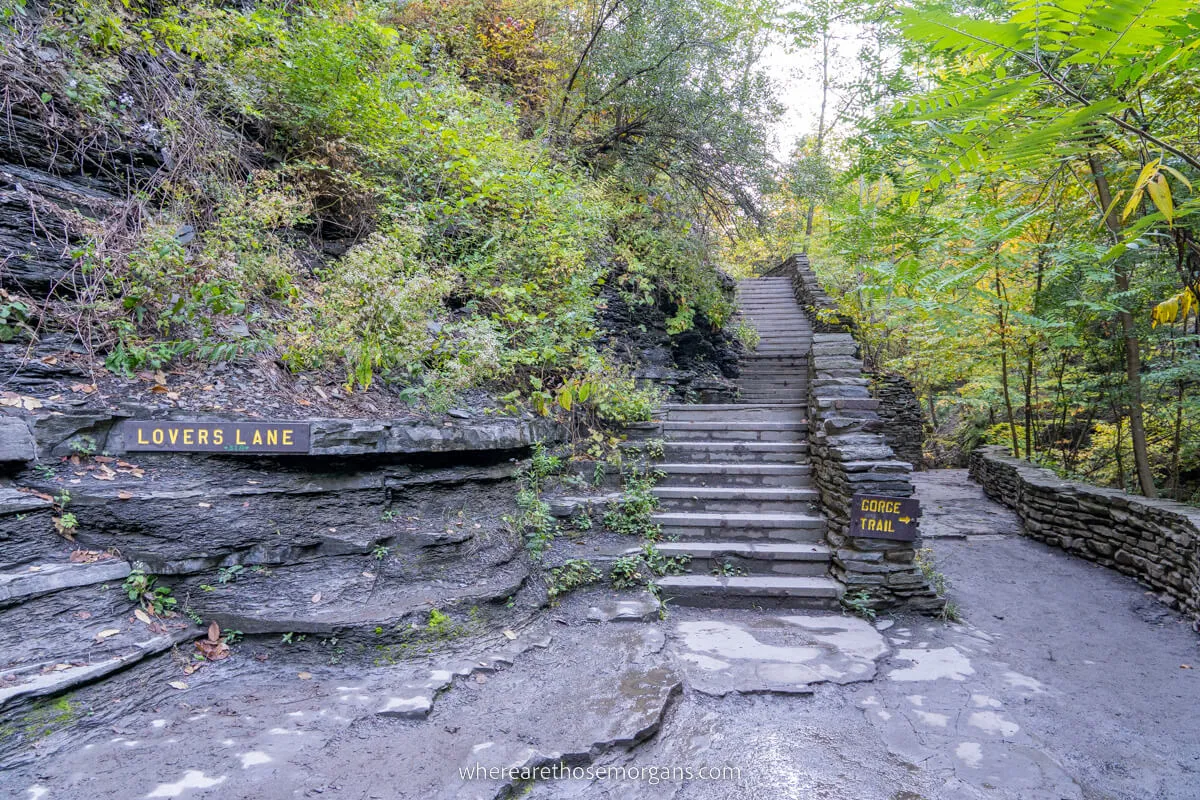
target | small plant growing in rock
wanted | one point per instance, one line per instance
(661, 565)
(747, 334)
(570, 576)
(390, 515)
(626, 572)
(380, 552)
(633, 514)
(439, 622)
(859, 604)
(229, 574)
(44, 471)
(924, 561)
(727, 570)
(140, 588)
(83, 446)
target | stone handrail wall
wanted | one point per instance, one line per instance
(1155, 541)
(850, 455)
(904, 425)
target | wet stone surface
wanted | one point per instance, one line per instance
(1057, 684)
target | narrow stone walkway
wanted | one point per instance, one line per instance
(738, 498)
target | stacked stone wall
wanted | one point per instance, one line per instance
(904, 425)
(1155, 541)
(850, 454)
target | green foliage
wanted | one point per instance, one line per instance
(571, 575)
(625, 572)
(477, 251)
(633, 513)
(142, 589)
(859, 604)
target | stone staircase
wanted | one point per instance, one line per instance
(737, 497)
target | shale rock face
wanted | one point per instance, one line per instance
(1155, 541)
(356, 541)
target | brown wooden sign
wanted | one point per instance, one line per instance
(173, 436)
(875, 516)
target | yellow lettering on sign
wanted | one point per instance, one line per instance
(237, 436)
(202, 436)
(257, 437)
(287, 436)
(142, 436)
(156, 436)
(218, 436)
(187, 435)
(272, 436)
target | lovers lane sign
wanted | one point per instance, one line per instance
(170, 436)
(878, 517)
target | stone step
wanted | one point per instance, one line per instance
(751, 591)
(735, 499)
(735, 412)
(732, 526)
(735, 431)
(751, 558)
(732, 475)
(735, 452)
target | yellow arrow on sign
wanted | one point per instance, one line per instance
(905, 520)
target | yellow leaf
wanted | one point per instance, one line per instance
(177, 684)
(564, 398)
(1148, 171)
(142, 615)
(1160, 194)
(1178, 175)
(106, 633)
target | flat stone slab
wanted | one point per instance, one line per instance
(780, 654)
(641, 609)
(38, 579)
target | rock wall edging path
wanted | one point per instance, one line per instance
(850, 454)
(1155, 541)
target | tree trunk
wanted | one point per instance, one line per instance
(1133, 360)
(1001, 321)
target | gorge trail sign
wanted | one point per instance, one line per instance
(174, 436)
(879, 517)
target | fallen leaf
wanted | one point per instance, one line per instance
(37, 568)
(160, 377)
(124, 495)
(104, 476)
(205, 505)
(172, 395)
(1185, 666)
(316, 598)
(368, 574)
(83, 615)
(158, 388)
(302, 401)
(304, 676)
(143, 616)
(103, 459)
(510, 634)
(51, 360)
(214, 632)
(177, 684)
(106, 633)
(83, 388)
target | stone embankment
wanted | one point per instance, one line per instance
(1155, 541)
